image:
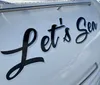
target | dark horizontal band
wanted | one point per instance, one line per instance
(11, 9)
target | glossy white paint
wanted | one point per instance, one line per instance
(67, 64)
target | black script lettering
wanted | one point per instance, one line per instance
(44, 43)
(94, 26)
(52, 31)
(89, 27)
(68, 39)
(19, 67)
(61, 21)
(84, 31)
